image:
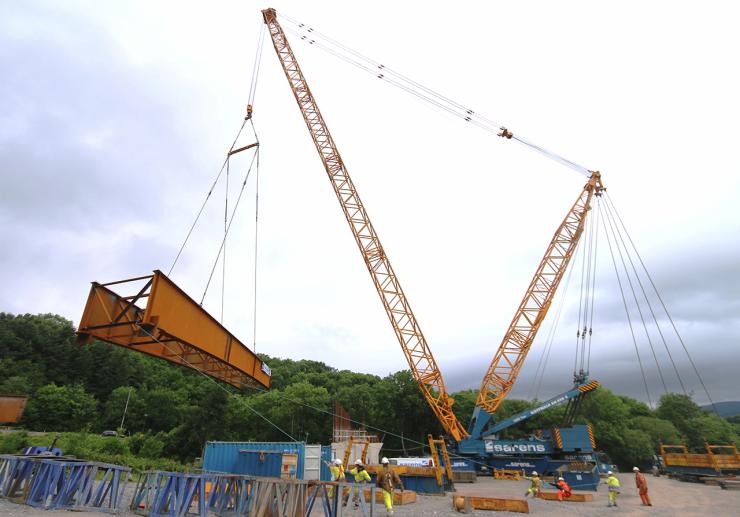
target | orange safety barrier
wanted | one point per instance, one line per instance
(172, 326)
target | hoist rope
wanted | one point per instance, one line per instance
(634, 297)
(256, 240)
(627, 312)
(226, 214)
(256, 66)
(231, 220)
(590, 286)
(545, 356)
(593, 289)
(205, 201)
(415, 88)
(581, 302)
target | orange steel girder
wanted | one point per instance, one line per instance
(405, 326)
(172, 327)
(510, 356)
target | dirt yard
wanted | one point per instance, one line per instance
(669, 498)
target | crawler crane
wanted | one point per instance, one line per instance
(555, 450)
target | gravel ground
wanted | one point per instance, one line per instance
(669, 498)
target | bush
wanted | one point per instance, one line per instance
(13, 443)
(115, 446)
(152, 446)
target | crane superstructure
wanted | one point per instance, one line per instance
(509, 358)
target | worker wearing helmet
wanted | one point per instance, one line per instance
(336, 469)
(563, 489)
(387, 481)
(534, 484)
(614, 488)
(642, 487)
(360, 476)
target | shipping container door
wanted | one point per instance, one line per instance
(312, 463)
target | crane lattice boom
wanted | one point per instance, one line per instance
(510, 356)
(414, 345)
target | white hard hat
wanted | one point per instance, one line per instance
(609, 473)
(635, 469)
(534, 472)
(358, 462)
(384, 461)
(337, 461)
(561, 479)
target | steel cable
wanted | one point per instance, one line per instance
(626, 310)
(381, 72)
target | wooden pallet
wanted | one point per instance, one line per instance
(574, 498)
(490, 503)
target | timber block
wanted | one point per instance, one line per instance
(490, 503)
(574, 498)
(399, 498)
(464, 476)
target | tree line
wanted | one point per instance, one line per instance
(173, 411)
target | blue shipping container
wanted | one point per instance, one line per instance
(227, 456)
(259, 463)
(325, 461)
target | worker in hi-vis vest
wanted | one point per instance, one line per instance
(360, 476)
(336, 469)
(387, 481)
(534, 484)
(614, 488)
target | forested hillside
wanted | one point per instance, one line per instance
(75, 388)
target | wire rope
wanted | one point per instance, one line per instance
(256, 241)
(222, 387)
(382, 72)
(226, 214)
(205, 201)
(551, 336)
(665, 309)
(231, 220)
(626, 310)
(593, 290)
(634, 296)
(609, 209)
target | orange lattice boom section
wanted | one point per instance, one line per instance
(172, 326)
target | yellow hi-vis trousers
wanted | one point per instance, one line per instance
(612, 498)
(387, 499)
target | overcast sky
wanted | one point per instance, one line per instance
(115, 118)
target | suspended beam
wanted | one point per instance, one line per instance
(172, 326)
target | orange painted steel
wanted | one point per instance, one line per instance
(405, 326)
(11, 408)
(172, 327)
(510, 356)
(679, 456)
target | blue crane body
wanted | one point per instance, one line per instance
(567, 451)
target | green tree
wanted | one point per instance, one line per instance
(60, 408)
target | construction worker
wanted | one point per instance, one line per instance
(641, 483)
(563, 489)
(360, 476)
(387, 481)
(534, 484)
(336, 469)
(614, 488)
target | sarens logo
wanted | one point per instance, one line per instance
(519, 447)
(266, 369)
